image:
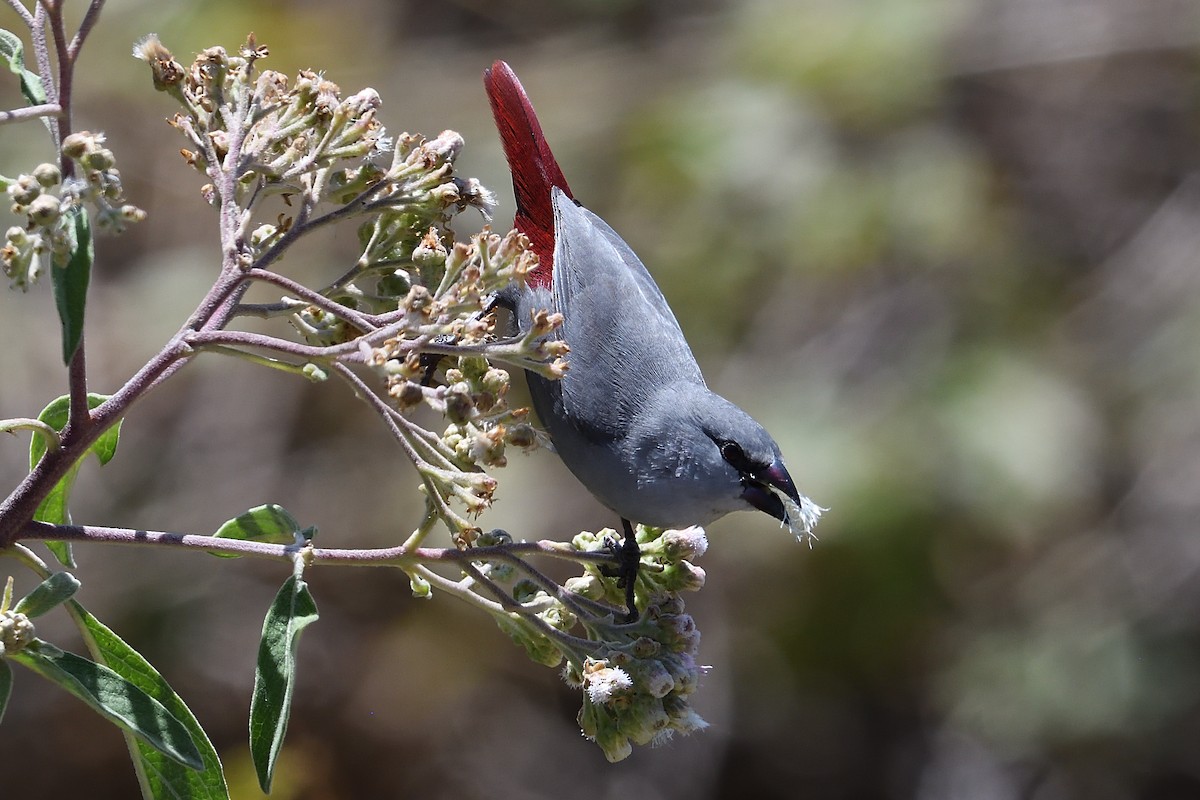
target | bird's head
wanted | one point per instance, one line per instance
(736, 459)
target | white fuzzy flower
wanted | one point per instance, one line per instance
(603, 682)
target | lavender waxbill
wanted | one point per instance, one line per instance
(632, 418)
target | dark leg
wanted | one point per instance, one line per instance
(430, 361)
(630, 556)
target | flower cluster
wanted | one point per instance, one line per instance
(284, 131)
(442, 352)
(412, 306)
(16, 632)
(636, 678)
(636, 691)
(51, 204)
(301, 138)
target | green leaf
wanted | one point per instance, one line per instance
(71, 283)
(275, 677)
(53, 508)
(46, 595)
(113, 698)
(266, 523)
(166, 778)
(12, 50)
(5, 686)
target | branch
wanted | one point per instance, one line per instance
(22, 12)
(85, 27)
(66, 77)
(262, 341)
(398, 556)
(303, 225)
(568, 642)
(31, 112)
(455, 522)
(313, 298)
(253, 358)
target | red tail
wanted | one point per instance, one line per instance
(534, 170)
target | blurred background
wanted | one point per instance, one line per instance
(945, 250)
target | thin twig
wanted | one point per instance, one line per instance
(313, 298)
(526, 615)
(30, 112)
(36, 425)
(66, 75)
(22, 12)
(571, 601)
(85, 27)
(41, 52)
(455, 522)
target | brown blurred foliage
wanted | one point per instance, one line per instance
(946, 250)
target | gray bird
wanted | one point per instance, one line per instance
(632, 418)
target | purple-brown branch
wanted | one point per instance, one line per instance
(369, 557)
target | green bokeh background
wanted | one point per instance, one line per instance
(947, 251)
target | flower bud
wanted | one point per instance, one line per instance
(47, 174)
(99, 159)
(407, 394)
(24, 190)
(686, 544)
(588, 586)
(615, 745)
(365, 100)
(684, 718)
(16, 632)
(420, 587)
(45, 210)
(682, 576)
(652, 677)
(131, 213)
(75, 145)
(417, 299)
(430, 252)
(645, 720)
(459, 406)
(520, 435)
(447, 145)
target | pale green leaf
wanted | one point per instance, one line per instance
(113, 698)
(165, 777)
(275, 677)
(56, 589)
(12, 50)
(265, 523)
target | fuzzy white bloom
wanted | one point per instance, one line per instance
(687, 722)
(801, 518)
(148, 48)
(603, 683)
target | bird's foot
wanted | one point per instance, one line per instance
(430, 361)
(629, 557)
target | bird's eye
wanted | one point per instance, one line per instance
(732, 452)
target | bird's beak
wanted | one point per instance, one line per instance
(757, 490)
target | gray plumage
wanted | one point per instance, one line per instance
(633, 418)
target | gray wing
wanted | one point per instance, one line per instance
(617, 323)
